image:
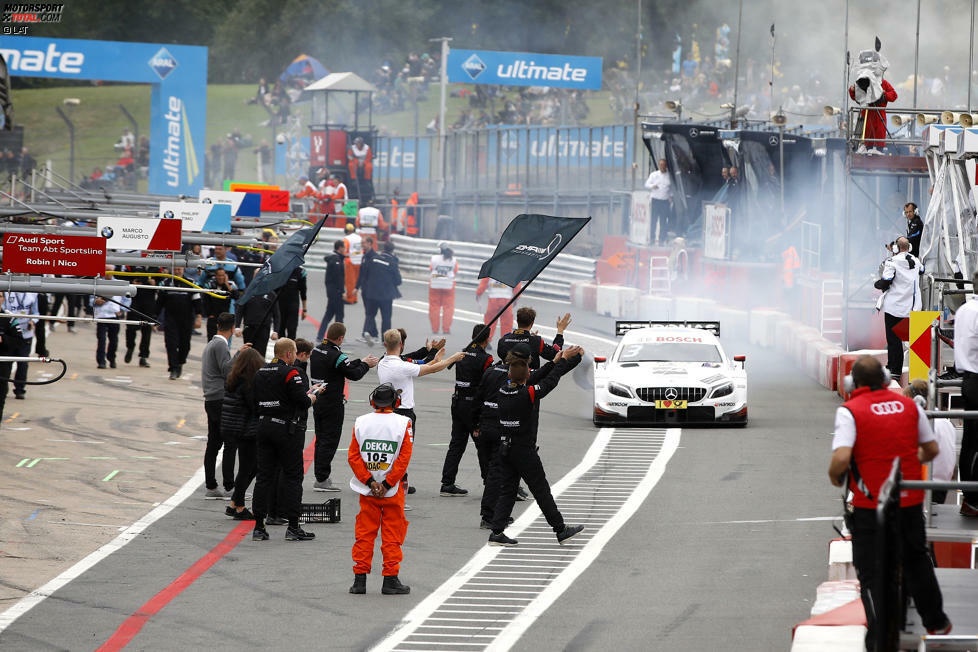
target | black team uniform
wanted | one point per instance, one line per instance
(280, 393)
(214, 305)
(468, 373)
(538, 348)
(145, 303)
(181, 309)
(289, 297)
(335, 286)
(255, 330)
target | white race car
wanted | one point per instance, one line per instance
(669, 372)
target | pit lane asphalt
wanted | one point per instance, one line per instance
(713, 559)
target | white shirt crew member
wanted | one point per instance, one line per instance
(22, 303)
(391, 369)
(966, 336)
(659, 185)
(354, 248)
(903, 295)
(369, 217)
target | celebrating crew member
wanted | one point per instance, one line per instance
(468, 373)
(499, 294)
(518, 456)
(379, 455)
(281, 394)
(900, 282)
(328, 365)
(183, 315)
(335, 283)
(872, 428)
(441, 290)
(525, 318)
(353, 251)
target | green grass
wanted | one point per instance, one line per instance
(99, 122)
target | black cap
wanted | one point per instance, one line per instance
(521, 350)
(384, 395)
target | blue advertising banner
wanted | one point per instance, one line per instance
(567, 147)
(403, 158)
(524, 69)
(178, 74)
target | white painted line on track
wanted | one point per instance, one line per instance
(37, 596)
(528, 294)
(565, 566)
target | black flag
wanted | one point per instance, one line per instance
(528, 245)
(277, 269)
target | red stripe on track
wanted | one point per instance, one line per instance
(314, 322)
(134, 623)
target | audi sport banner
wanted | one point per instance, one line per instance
(140, 233)
(528, 245)
(213, 218)
(40, 253)
(243, 204)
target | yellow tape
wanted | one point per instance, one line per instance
(179, 278)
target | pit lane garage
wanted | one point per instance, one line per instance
(669, 372)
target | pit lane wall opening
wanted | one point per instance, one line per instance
(177, 73)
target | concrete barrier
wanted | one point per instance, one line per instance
(763, 326)
(655, 308)
(584, 295)
(847, 359)
(693, 308)
(618, 301)
(734, 324)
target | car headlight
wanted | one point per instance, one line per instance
(722, 390)
(619, 390)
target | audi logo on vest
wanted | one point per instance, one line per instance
(887, 407)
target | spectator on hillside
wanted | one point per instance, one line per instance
(27, 163)
(229, 150)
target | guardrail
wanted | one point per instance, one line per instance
(415, 255)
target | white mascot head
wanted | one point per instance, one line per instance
(867, 73)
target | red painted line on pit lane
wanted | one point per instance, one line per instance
(134, 623)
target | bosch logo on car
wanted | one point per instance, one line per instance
(887, 407)
(677, 338)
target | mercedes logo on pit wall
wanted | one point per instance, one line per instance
(671, 394)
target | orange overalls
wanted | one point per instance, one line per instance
(499, 295)
(353, 248)
(441, 293)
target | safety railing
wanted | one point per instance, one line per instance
(414, 256)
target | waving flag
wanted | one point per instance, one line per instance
(528, 245)
(277, 269)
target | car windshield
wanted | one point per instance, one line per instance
(669, 352)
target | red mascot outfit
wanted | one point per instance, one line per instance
(441, 290)
(379, 453)
(871, 90)
(499, 294)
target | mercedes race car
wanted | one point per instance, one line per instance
(669, 372)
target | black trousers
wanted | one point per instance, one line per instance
(289, 318)
(328, 422)
(488, 446)
(257, 336)
(5, 369)
(108, 342)
(461, 431)
(662, 213)
(918, 569)
(334, 312)
(370, 309)
(523, 461)
(214, 443)
(211, 327)
(72, 304)
(894, 346)
(278, 445)
(247, 466)
(968, 460)
(176, 336)
(409, 413)
(40, 328)
(21, 351)
(145, 332)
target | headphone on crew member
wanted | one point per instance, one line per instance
(916, 211)
(387, 395)
(849, 385)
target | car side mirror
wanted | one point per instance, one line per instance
(600, 359)
(742, 359)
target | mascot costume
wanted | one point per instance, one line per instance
(872, 90)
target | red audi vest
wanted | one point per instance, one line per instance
(886, 427)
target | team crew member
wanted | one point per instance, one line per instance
(107, 334)
(915, 227)
(659, 186)
(339, 195)
(499, 294)
(379, 455)
(22, 303)
(517, 456)
(11, 342)
(260, 320)
(183, 315)
(328, 365)
(900, 282)
(966, 362)
(525, 318)
(441, 290)
(215, 306)
(872, 428)
(370, 221)
(392, 369)
(353, 250)
(335, 284)
(214, 367)
(281, 396)
(369, 253)
(239, 424)
(221, 261)
(380, 277)
(468, 373)
(289, 297)
(143, 306)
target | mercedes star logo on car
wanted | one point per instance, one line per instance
(671, 394)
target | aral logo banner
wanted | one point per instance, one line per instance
(140, 233)
(35, 253)
(524, 69)
(214, 218)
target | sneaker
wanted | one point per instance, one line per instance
(568, 533)
(452, 491)
(944, 630)
(112, 364)
(501, 540)
(173, 373)
(19, 397)
(412, 489)
(143, 362)
(407, 508)
(325, 485)
(244, 515)
(128, 357)
(229, 511)
(393, 586)
(101, 366)
(298, 534)
(276, 520)
(368, 339)
(179, 370)
(259, 535)
(487, 525)
(521, 494)
(215, 494)
(968, 509)
(359, 584)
